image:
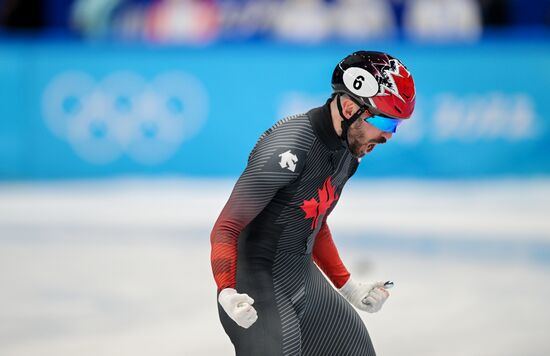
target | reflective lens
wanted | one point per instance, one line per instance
(384, 123)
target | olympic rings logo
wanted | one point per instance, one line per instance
(124, 114)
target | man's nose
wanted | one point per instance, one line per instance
(387, 135)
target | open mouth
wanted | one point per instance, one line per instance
(370, 147)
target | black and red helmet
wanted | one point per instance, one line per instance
(378, 81)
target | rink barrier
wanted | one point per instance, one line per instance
(73, 110)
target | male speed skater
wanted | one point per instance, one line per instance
(271, 240)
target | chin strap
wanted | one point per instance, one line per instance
(346, 123)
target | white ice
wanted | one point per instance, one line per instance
(121, 267)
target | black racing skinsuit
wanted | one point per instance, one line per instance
(263, 243)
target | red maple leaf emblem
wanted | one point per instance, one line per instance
(314, 209)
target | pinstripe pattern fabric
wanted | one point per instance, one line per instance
(255, 188)
(263, 240)
(289, 286)
(330, 326)
(297, 238)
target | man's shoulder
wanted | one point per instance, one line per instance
(293, 130)
(285, 144)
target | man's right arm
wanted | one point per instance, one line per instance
(263, 177)
(276, 160)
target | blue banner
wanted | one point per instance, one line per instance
(82, 110)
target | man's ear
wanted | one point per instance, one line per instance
(348, 107)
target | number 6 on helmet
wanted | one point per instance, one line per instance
(377, 80)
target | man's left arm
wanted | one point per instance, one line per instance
(327, 258)
(367, 297)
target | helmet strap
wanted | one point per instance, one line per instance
(346, 123)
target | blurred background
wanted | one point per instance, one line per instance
(125, 123)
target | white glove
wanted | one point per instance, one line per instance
(367, 297)
(238, 307)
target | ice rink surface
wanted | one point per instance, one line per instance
(122, 267)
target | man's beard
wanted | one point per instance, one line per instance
(355, 146)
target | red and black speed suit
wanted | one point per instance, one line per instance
(272, 234)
